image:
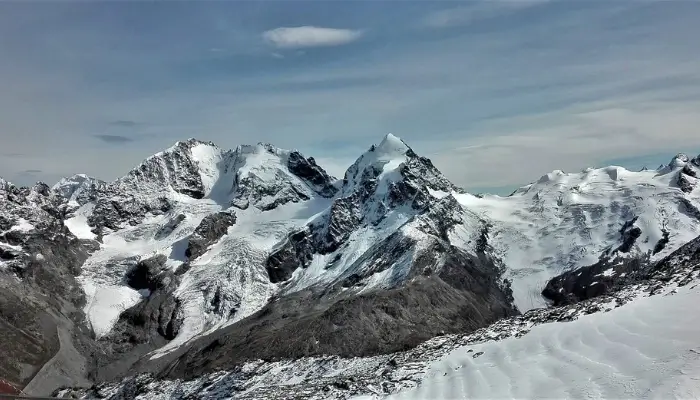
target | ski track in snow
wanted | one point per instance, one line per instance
(649, 348)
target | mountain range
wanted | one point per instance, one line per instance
(202, 259)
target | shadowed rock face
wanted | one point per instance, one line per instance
(147, 326)
(114, 212)
(38, 292)
(687, 178)
(609, 276)
(148, 274)
(175, 168)
(296, 251)
(285, 177)
(592, 281)
(80, 189)
(315, 176)
(212, 228)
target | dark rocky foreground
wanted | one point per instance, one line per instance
(40, 299)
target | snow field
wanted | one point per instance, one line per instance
(649, 348)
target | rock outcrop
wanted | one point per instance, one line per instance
(209, 231)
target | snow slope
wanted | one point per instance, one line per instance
(384, 194)
(196, 179)
(649, 348)
(567, 220)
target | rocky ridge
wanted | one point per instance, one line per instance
(40, 299)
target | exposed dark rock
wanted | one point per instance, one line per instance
(360, 204)
(661, 244)
(39, 294)
(687, 207)
(144, 327)
(630, 234)
(687, 179)
(174, 168)
(170, 226)
(182, 268)
(344, 217)
(221, 302)
(385, 375)
(595, 280)
(212, 228)
(297, 251)
(9, 254)
(607, 276)
(81, 189)
(679, 160)
(315, 176)
(148, 274)
(114, 212)
(266, 195)
(6, 223)
(296, 179)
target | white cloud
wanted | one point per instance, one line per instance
(310, 36)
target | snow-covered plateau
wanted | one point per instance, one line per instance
(201, 261)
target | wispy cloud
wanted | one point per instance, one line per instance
(310, 36)
(124, 123)
(13, 155)
(598, 134)
(476, 11)
(114, 139)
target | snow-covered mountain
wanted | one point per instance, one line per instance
(567, 220)
(638, 340)
(202, 258)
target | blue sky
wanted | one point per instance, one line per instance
(497, 93)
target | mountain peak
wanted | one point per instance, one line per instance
(391, 146)
(680, 160)
(191, 142)
(80, 188)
